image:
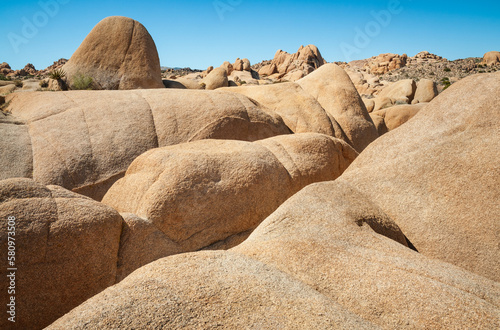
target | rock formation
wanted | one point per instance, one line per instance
(210, 192)
(304, 61)
(334, 90)
(438, 176)
(118, 53)
(491, 58)
(66, 250)
(84, 141)
(342, 254)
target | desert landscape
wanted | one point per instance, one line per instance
(293, 193)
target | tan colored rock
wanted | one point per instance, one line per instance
(246, 65)
(228, 67)
(216, 79)
(66, 250)
(85, 140)
(141, 242)
(330, 236)
(401, 91)
(294, 76)
(491, 58)
(56, 85)
(327, 258)
(300, 112)
(118, 53)
(238, 65)
(384, 63)
(7, 89)
(379, 123)
(207, 71)
(183, 83)
(369, 104)
(243, 77)
(210, 289)
(438, 176)
(305, 57)
(426, 91)
(203, 192)
(333, 89)
(268, 70)
(398, 115)
(17, 155)
(31, 85)
(382, 102)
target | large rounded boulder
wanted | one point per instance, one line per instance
(438, 176)
(85, 140)
(66, 250)
(334, 90)
(214, 192)
(118, 53)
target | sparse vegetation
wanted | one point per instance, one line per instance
(446, 69)
(243, 82)
(2, 77)
(57, 74)
(44, 84)
(82, 82)
(446, 82)
(203, 85)
(18, 83)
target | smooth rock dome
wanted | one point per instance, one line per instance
(118, 53)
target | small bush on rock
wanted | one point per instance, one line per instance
(82, 82)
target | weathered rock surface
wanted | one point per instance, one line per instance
(118, 53)
(66, 250)
(84, 141)
(300, 111)
(384, 63)
(208, 290)
(217, 78)
(305, 60)
(203, 192)
(328, 258)
(334, 239)
(397, 115)
(425, 92)
(491, 58)
(438, 176)
(334, 90)
(402, 91)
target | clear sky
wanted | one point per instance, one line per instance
(198, 34)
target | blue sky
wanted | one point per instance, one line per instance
(203, 33)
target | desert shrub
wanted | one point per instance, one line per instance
(44, 83)
(243, 82)
(446, 82)
(82, 82)
(446, 69)
(18, 83)
(400, 102)
(57, 74)
(203, 85)
(2, 77)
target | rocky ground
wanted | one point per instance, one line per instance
(291, 194)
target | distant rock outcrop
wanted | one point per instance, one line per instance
(118, 53)
(304, 61)
(491, 58)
